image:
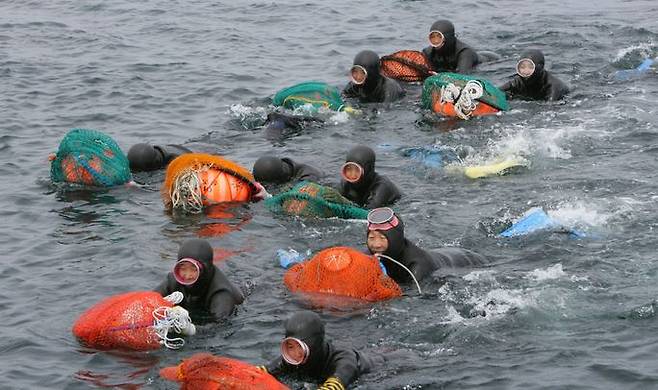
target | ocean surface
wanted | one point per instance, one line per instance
(548, 312)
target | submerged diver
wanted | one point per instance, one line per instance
(147, 157)
(306, 352)
(362, 185)
(446, 53)
(532, 81)
(368, 84)
(271, 169)
(386, 237)
(204, 286)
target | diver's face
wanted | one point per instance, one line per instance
(358, 74)
(525, 67)
(377, 242)
(437, 39)
(188, 272)
(294, 350)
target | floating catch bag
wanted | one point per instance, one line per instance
(342, 271)
(196, 180)
(461, 96)
(89, 157)
(406, 65)
(307, 199)
(139, 320)
(203, 371)
(315, 93)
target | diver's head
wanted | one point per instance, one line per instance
(442, 35)
(365, 68)
(385, 233)
(270, 169)
(144, 157)
(530, 64)
(194, 267)
(359, 165)
(304, 338)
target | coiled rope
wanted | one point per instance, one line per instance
(464, 100)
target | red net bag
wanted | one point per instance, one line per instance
(204, 371)
(137, 320)
(406, 65)
(342, 271)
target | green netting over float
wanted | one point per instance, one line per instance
(307, 199)
(89, 157)
(491, 94)
(315, 93)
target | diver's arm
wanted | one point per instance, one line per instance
(467, 61)
(222, 304)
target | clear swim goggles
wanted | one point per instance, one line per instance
(344, 170)
(382, 218)
(437, 39)
(177, 271)
(287, 356)
(525, 67)
(358, 74)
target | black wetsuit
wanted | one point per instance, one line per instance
(541, 85)
(270, 169)
(454, 55)
(212, 292)
(421, 262)
(376, 88)
(372, 190)
(325, 360)
(146, 157)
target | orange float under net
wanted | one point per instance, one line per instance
(448, 108)
(406, 65)
(196, 180)
(342, 271)
(204, 371)
(136, 320)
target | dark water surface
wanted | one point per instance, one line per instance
(545, 314)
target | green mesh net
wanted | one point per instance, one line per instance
(491, 96)
(315, 93)
(89, 157)
(307, 199)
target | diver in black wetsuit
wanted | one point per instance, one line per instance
(147, 157)
(367, 84)
(306, 352)
(446, 53)
(386, 237)
(532, 81)
(271, 169)
(204, 286)
(362, 185)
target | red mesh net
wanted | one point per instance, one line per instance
(344, 272)
(121, 322)
(406, 65)
(204, 371)
(448, 109)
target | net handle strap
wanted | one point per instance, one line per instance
(405, 268)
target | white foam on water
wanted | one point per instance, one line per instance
(580, 213)
(339, 117)
(480, 275)
(500, 301)
(241, 111)
(548, 273)
(645, 48)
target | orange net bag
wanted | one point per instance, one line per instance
(196, 180)
(406, 65)
(137, 320)
(204, 371)
(342, 271)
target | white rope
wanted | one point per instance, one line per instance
(405, 268)
(175, 297)
(172, 319)
(464, 100)
(186, 192)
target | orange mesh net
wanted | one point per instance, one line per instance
(406, 65)
(122, 321)
(344, 272)
(204, 371)
(195, 180)
(448, 109)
